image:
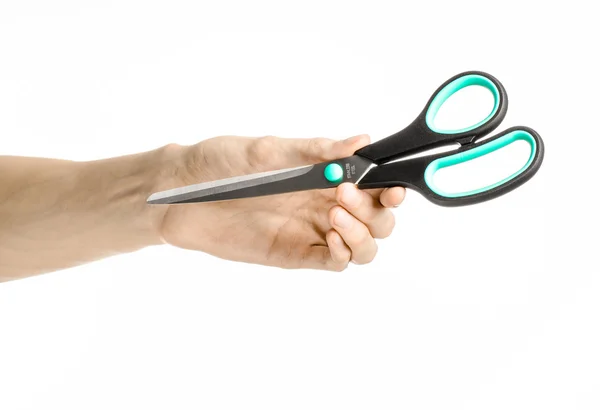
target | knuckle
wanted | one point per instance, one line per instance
(367, 256)
(339, 266)
(317, 148)
(260, 149)
(361, 236)
(333, 212)
(268, 140)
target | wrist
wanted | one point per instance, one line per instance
(125, 183)
(161, 169)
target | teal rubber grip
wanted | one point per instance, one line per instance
(450, 89)
(477, 152)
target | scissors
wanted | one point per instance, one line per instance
(383, 163)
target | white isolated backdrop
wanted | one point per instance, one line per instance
(492, 306)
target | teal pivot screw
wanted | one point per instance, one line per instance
(334, 173)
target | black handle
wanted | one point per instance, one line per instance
(422, 134)
(417, 173)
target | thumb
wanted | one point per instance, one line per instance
(306, 151)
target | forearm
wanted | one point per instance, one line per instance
(56, 214)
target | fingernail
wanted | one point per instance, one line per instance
(343, 219)
(350, 196)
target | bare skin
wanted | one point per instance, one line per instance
(57, 214)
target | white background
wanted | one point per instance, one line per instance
(493, 306)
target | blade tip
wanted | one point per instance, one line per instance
(156, 199)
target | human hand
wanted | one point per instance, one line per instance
(318, 229)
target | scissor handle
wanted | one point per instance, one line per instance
(418, 173)
(422, 133)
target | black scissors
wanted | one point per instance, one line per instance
(381, 164)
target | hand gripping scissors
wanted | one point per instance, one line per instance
(381, 164)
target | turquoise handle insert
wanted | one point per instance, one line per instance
(451, 88)
(477, 152)
(334, 173)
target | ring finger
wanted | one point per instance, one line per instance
(355, 233)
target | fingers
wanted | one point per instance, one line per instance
(355, 234)
(292, 152)
(370, 211)
(322, 149)
(339, 252)
(335, 256)
(322, 258)
(361, 218)
(392, 197)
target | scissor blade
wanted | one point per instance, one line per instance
(264, 183)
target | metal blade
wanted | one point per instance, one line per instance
(265, 183)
